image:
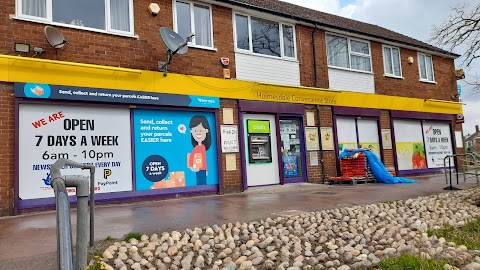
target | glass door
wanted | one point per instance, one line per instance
(292, 150)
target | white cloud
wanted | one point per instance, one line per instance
(412, 18)
(471, 111)
(328, 6)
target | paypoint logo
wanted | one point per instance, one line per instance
(106, 173)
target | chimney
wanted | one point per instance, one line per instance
(477, 129)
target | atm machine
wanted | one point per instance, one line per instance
(259, 143)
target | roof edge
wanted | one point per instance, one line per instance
(281, 14)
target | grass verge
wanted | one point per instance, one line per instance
(468, 235)
(411, 262)
(131, 235)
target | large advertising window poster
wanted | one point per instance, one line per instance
(368, 135)
(98, 136)
(174, 149)
(346, 134)
(438, 143)
(409, 145)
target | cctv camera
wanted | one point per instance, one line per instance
(154, 9)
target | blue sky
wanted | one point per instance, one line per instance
(413, 18)
(345, 2)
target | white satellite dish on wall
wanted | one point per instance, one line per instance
(54, 37)
(175, 45)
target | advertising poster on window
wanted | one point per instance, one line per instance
(346, 134)
(97, 136)
(409, 145)
(368, 135)
(290, 165)
(174, 149)
(438, 143)
(411, 156)
(373, 146)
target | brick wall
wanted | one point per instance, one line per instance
(7, 137)
(305, 56)
(329, 157)
(110, 50)
(385, 124)
(410, 86)
(232, 180)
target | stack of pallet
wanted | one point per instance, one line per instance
(354, 166)
(354, 169)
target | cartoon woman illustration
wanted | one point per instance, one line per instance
(201, 141)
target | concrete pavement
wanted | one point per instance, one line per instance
(28, 241)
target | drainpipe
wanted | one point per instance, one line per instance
(315, 78)
(314, 51)
(322, 161)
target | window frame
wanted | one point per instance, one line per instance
(426, 70)
(391, 55)
(350, 53)
(49, 19)
(192, 22)
(250, 42)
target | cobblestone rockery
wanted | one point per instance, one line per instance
(343, 238)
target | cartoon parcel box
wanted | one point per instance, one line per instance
(176, 179)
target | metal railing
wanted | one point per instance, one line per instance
(65, 258)
(463, 165)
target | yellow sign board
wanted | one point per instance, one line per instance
(22, 69)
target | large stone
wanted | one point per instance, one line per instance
(172, 251)
(246, 265)
(472, 266)
(257, 260)
(231, 266)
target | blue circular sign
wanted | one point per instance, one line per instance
(155, 168)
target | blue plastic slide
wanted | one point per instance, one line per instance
(378, 169)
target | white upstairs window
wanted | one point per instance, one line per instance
(348, 53)
(264, 37)
(391, 61)
(425, 65)
(194, 18)
(109, 16)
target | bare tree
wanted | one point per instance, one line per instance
(461, 31)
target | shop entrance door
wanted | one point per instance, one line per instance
(292, 149)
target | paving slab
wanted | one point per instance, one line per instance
(30, 239)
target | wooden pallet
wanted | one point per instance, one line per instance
(353, 181)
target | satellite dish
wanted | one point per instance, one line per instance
(175, 45)
(173, 41)
(54, 37)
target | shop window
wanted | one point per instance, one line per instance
(264, 37)
(111, 16)
(391, 61)
(193, 18)
(175, 149)
(348, 53)
(422, 145)
(425, 65)
(355, 133)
